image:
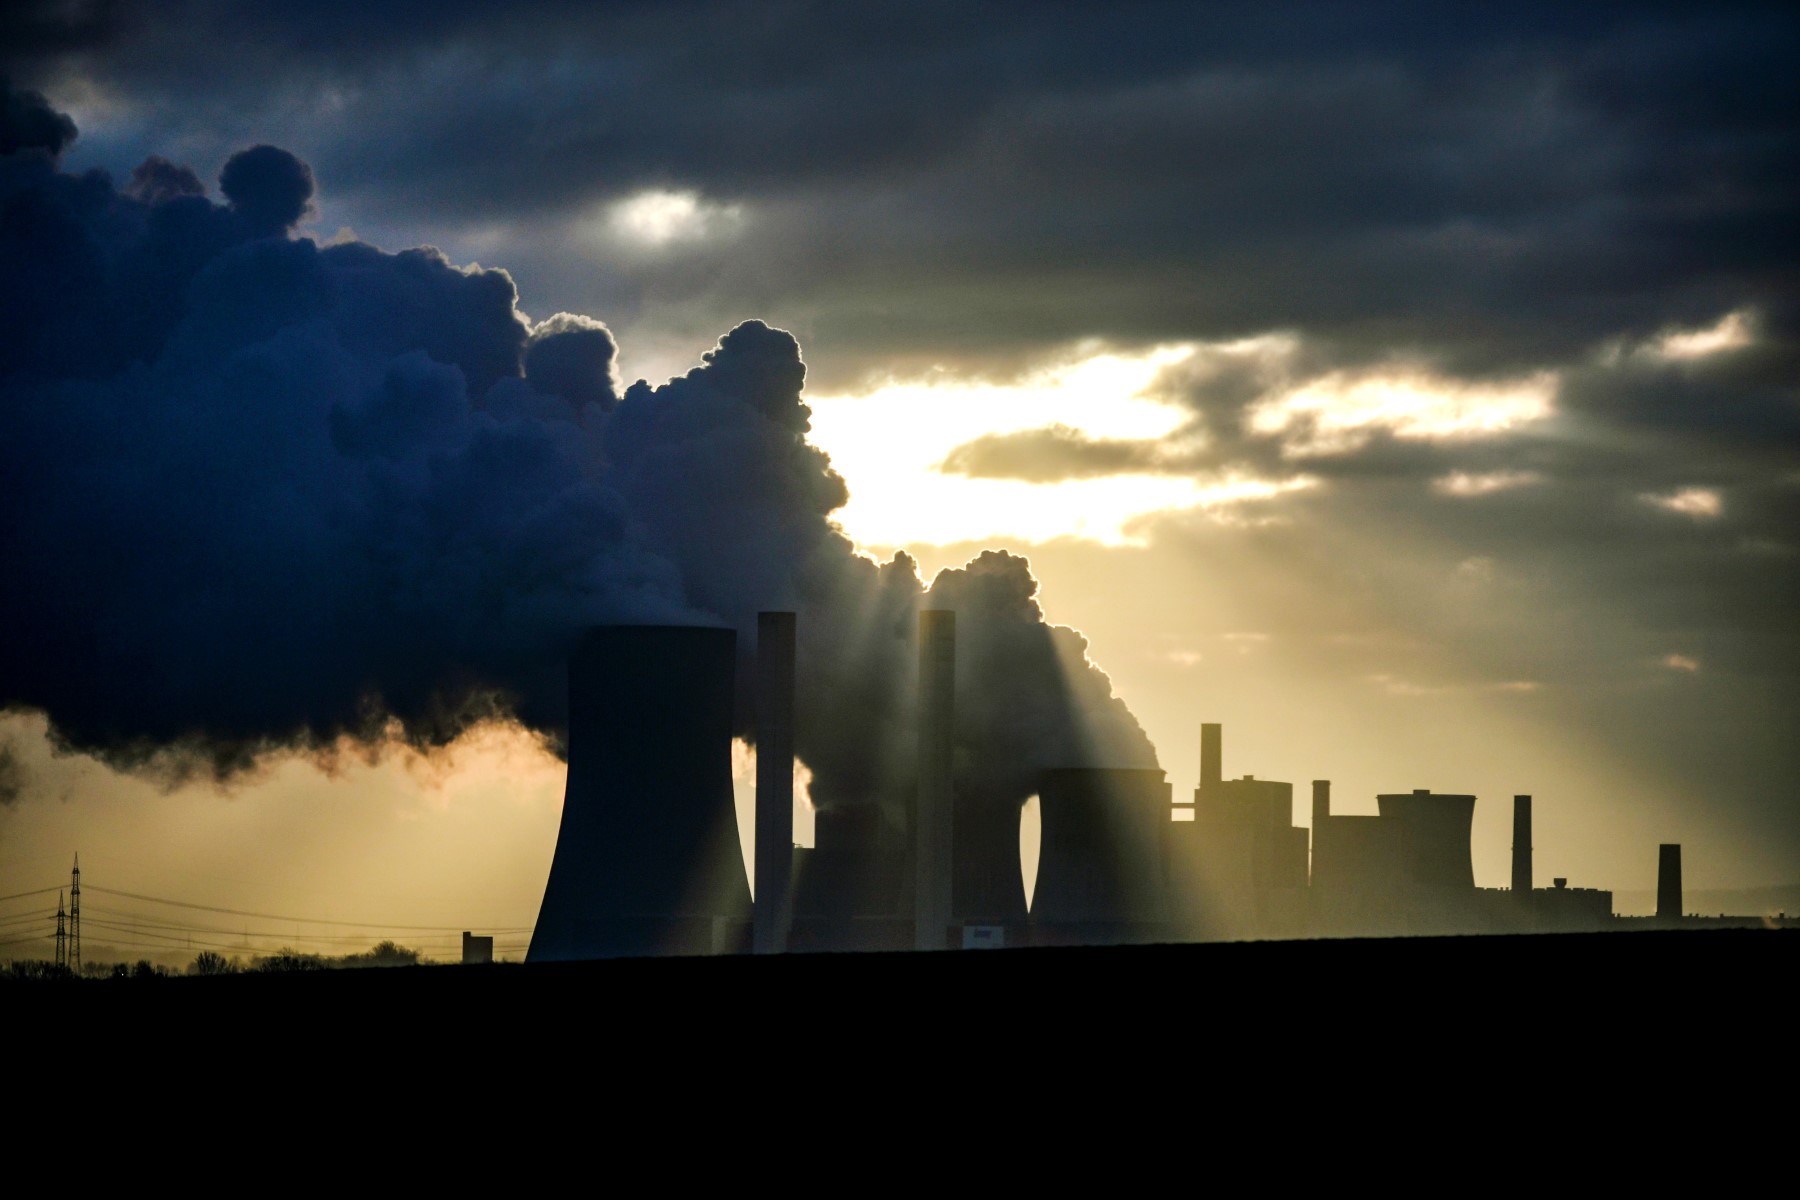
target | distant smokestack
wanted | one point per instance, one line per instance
(1668, 881)
(1521, 864)
(1211, 759)
(932, 815)
(774, 780)
(1321, 812)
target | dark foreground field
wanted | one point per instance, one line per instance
(1493, 1049)
(1080, 995)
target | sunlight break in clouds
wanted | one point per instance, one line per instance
(1340, 412)
(1462, 483)
(888, 443)
(1732, 332)
(1703, 504)
(658, 218)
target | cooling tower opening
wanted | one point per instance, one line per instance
(1031, 844)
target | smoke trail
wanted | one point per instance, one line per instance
(259, 494)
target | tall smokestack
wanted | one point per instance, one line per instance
(1211, 760)
(1668, 881)
(1521, 862)
(1321, 812)
(932, 814)
(774, 780)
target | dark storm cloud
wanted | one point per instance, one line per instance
(259, 493)
(1486, 188)
(27, 122)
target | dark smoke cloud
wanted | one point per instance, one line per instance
(258, 493)
(27, 122)
(268, 187)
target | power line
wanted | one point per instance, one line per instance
(37, 914)
(239, 912)
(159, 923)
(33, 892)
(129, 922)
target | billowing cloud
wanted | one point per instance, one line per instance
(261, 493)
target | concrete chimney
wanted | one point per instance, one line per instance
(1321, 812)
(1668, 881)
(932, 813)
(774, 781)
(1521, 858)
(1211, 759)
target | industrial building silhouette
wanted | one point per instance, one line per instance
(648, 862)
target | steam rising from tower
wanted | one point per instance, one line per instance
(430, 498)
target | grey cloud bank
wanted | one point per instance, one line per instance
(1490, 190)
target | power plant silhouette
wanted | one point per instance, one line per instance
(648, 862)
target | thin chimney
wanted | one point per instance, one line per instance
(931, 816)
(1668, 881)
(1211, 759)
(774, 780)
(1521, 847)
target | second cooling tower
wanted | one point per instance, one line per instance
(1101, 862)
(647, 859)
(1436, 829)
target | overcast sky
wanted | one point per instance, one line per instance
(1412, 389)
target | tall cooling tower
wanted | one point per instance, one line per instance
(647, 860)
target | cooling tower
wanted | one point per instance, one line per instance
(1103, 851)
(774, 779)
(1437, 836)
(647, 860)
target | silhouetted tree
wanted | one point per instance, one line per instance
(289, 960)
(384, 954)
(208, 962)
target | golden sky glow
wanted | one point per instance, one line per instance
(1341, 411)
(889, 442)
(1731, 332)
(1700, 503)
